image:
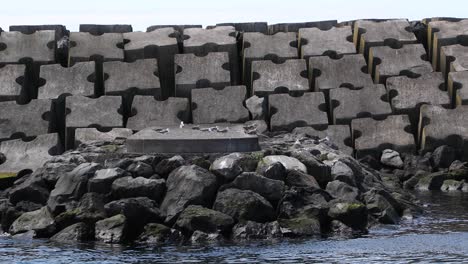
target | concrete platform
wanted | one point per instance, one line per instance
(334, 41)
(87, 47)
(87, 135)
(38, 46)
(216, 138)
(340, 135)
(458, 87)
(12, 78)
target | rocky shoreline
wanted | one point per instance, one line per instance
(296, 186)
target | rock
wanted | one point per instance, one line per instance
(391, 158)
(30, 235)
(443, 156)
(381, 208)
(304, 201)
(289, 163)
(275, 171)
(464, 187)
(458, 165)
(342, 191)
(196, 217)
(300, 227)
(340, 230)
(118, 163)
(138, 211)
(103, 179)
(128, 187)
(256, 106)
(413, 181)
(252, 230)
(40, 221)
(140, 169)
(202, 162)
(112, 229)
(353, 214)
(71, 186)
(188, 185)
(258, 126)
(371, 161)
(300, 179)
(78, 232)
(315, 167)
(342, 172)
(166, 166)
(244, 205)
(414, 163)
(91, 208)
(8, 214)
(202, 237)
(434, 181)
(452, 185)
(157, 234)
(272, 190)
(230, 166)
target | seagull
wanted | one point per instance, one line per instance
(181, 124)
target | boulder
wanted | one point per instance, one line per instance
(157, 234)
(196, 217)
(304, 201)
(128, 187)
(244, 205)
(200, 237)
(8, 214)
(230, 166)
(112, 230)
(188, 185)
(381, 208)
(342, 172)
(138, 211)
(410, 183)
(40, 221)
(415, 163)
(314, 165)
(289, 163)
(256, 106)
(434, 181)
(252, 230)
(103, 179)
(391, 158)
(452, 185)
(342, 191)
(90, 208)
(340, 230)
(353, 214)
(121, 163)
(301, 179)
(140, 169)
(275, 171)
(78, 232)
(300, 227)
(272, 190)
(443, 156)
(458, 165)
(166, 166)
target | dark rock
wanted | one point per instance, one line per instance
(199, 237)
(391, 158)
(371, 161)
(300, 179)
(27, 206)
(157, 234)
(103, 179)
(452, 185)
(166, 166)
(91, 208)
(342, 172)
(272, 190)
(414, 163)
(127, 187)
(140, 169)
(443, 156)
(112, 230)
(230, 166)
(304, 201)
(353, 214)
(342, 191)
(315, 167)
(300, 227)
(413, 181)
(244, 205)
(434, 181)
(40, 221)
(196, 217)
(138, 211)
(78, 232)
(379, 206)
(203, 162)
(340, 230)
(8, 214)
(252, 230)
(118, 163)
(188, 185)
(458, 165)
(275, 171)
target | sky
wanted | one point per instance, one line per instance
(143, 13)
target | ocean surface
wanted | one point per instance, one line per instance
(439, 236)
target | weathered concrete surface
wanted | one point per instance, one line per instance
(97, 29)
(458, 87)
(453, 58)
(216, 138)
(307, 111)
(87, 135)
(333, 42)
(215, 106)
(260, 27)
(147, 112)
(87, 47)
(39, 46)
(269, 77)
(86, 112)
(11, 82)
(194, 72)
(295, 27)
(340, 135)
(366, 102)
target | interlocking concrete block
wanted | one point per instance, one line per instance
(410, 59)
(458, 87)
(102, 112)
(348, 71)
(260, 27)
(58, 81)
(216, 138)
(288, 112)
(453, 58)
(333, 42)
(371, 136)
(340, 135)
(258, 46)
(219, 39)
(17, 47)
(370, 101)
(60, 30)
(101, 29)
(28, 155)
(27, 120)
(179, 28)
(87, 47)
(139, 77)
(194, 72)
(269, 77)
(441, 126)
(88, 135)
(294, 27)
(147, 112)
(215, 106)
(442, 33)
(11, 83)
(393, 32)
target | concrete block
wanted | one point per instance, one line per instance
(57, 81)
(332, 42)
(347, 104)
(179, 28)
(385, 62)
(371, 136)
(453, 58)
(60, 30)
(270, 77)
(219, 39)
(294, 27)
(101, 29)
(11, 83)
(216, 138)
(348, 71)
(16, 47)
(215, 106)
(87, 47)
(260, 27)
(22, 156)
(88, 135)
(148, 112)
(308, 110)
(32, 119)
(194, 72)
(139, 77)
(458, 87)
(258, 46)
(102, 112)
(340, 135)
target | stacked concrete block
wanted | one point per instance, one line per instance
(386, 61)
(258, 46)
(453, 58)
(88, 135)
(371, 136)
(194, 72)
(11, 83)
(219, 39)
(179, 28)
(295, 27)
(288, 112)
(96, 29)
(32, 119)
(458, 87)
(260, 27)
(149, 112)
(347, 104)
(87, 47)
(332, 42)
(215, 106)
(270, 77)
(16, 47)
(340, 135)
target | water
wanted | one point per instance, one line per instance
(441, 235)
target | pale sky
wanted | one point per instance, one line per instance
(143, 13)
